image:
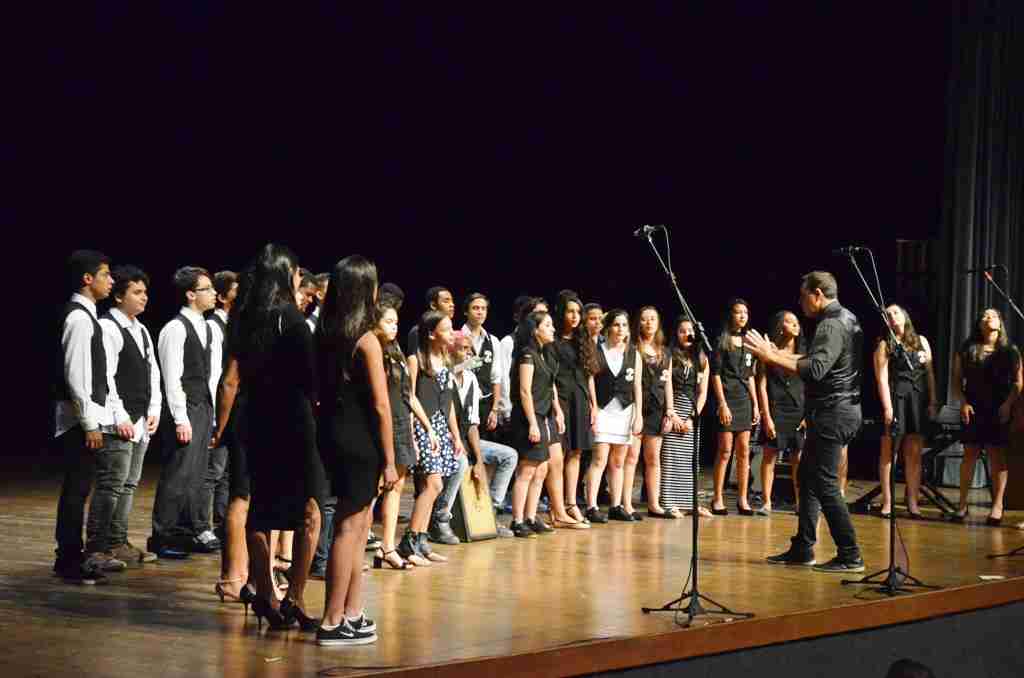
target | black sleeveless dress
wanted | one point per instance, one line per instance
(909, 392)
(786, 400)
(655, 375)
(989, 382)
(735, 368)
(573, 395)
(349, 433)
(278, 431)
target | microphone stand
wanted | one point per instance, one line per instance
(689, 601)
(893, 579)
(1009, 300)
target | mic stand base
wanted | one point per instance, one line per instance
(693, 608)
(1019, 551)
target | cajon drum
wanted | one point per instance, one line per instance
(472, 515)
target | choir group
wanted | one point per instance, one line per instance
(286, 408)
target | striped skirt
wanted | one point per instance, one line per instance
(677, 450)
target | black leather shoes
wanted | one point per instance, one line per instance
(619, 513)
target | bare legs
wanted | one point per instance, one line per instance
(344, 567)
(555, 484)
(727, 442)
(304, 549)
(572, 478)
(234, 564)
(526, 489)
(910, 446)
(769, 455)
(616, 470)
(629, 474)
(598, 462)
(389, 510)
(1000, 474)
(652, 472)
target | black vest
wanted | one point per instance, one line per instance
(432, 396)
(132, 377)
(195, 379)
(483, 372)
(99, 359)
(462, 413)
(608, 385)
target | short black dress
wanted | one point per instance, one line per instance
(573, 395)
(988, 383)
(735, 368)
(786, 400)
(277, 428)
(542, 391)
(909, 392)
(349, 432)
(655, 376)
(400, 397)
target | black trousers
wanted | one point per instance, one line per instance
(177, 513)
(828, 431)
(79, 466)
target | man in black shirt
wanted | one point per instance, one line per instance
(831, 371)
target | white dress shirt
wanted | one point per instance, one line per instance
(505, 349)
(217, 351)
(472, 408)
(312, 320)
(113, 342)
(76, 342)
(496, 358)
(171, 349)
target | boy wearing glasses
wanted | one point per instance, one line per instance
(185, 349)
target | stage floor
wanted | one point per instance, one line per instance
(499, 598)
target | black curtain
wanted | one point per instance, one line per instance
(984, 190)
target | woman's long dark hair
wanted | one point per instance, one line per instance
(428, 323)
(525, 333)
(586, 350)
(682, 356)
(349, 308)
(973, 350)
(659, 336)
(725, 338)
(777, 321)
(264, 290)
(911, 340)
(394, 359)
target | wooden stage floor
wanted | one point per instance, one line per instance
(538, 606)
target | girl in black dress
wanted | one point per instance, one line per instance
(576, 357)
(434, 386)
(356, 440)
(987, 380)
(907, 395)
(732, 379)
(537, 421)
(658, 409)
(271, 356)
(404, 406)
(782, 407)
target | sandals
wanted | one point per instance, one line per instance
(382, 557)
(576, 514)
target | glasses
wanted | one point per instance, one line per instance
(202, 289)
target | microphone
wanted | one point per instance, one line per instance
(848, 251)
(983, 269)
(646, 229)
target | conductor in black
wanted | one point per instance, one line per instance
(831, 371)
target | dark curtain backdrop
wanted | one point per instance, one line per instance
(984, 191)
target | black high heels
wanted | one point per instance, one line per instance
(291, 612)
(275, 619)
